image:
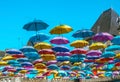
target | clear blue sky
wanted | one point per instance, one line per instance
(76, 13)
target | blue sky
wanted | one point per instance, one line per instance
(76, 13)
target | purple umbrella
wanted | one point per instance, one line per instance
(94, 53)
(13, 51)
(63, 54)
(59, 40)
(60, 49)
(102, 37)
(51, 62)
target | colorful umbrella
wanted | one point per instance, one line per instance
(13, 51)
(94, 53)
(42, 45)
(3, 63)
(48, 57)
(83, 33)
(27, 64)
(40, 66)
(53, 67)
(37, 61)
(51, 62)
(97, 45)
(61, 29)
(65, 67)
(59, 40)
(79, 43)
(60, 49)
(63, 58)
(117, 56)
(75, 68)
(78, 51)
(108, 54)
(36, 25)
(32, 55)
(102, 37)
(65, 63)
(23, 60)
(9, 57)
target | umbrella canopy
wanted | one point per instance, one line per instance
(48, 57)
(65, 63)
(63, 54)
(75, 68)
(40, 37)
(97, 45)
(9, 57)
(108, 54)
(104, 60)
(59, 40)
(113, 48)
(33, 55)
(13, 51)
(60, 49)
(62, 73)
(27, 64)
(78, 51)
(36, 25)
(116, 40)
(28, 49)
(94, 53)
(23, 60)
(53, 67)
(77, 58)
(13, 62)
(117, 56)
(3, 63)
(18, 55)
(83, 33)
(102, 37)
(61, 29)
(42, 45)
(46, 51)
(51, 62)
(79, 43)
(63, 58)
(40, 66)
(65, 67)
(37, 61)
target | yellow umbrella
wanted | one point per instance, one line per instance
(40, 66)
(79, 43)
(11, 74)
(65, 63)
(77, 64)
(97, 45)
(9, 57)
(3, 63)
(42, 45)
(117, 56)
(61, 29)
(23, 71)
(48, 57)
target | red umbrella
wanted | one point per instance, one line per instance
(90, 60)
(46, 51)
(18, 55)
(104, 60)
(78, 51)
(117, 64)
(63, 54)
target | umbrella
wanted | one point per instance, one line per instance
(46, 51)
(102, 37)
(61, 29)
(77, 58)
(48, 57)
(40, 37)
(62, 73)
(13, 51)
(42, 45)
(97, 45)
(18, 55)
(113, 48)
(23, 60)
(27, 64)
(33, 55)
(63, 58)
(3, 63)
(51, 62)
(83, 33)
(79, 43)
(28, 49)
(65, 67)
(78, 51)
(53, 67)
(104, 60)
(59, 40)
(94, 53)
(108, 54)
(40, 66)
(36, 25)
(9, 57)
(63, 54)
(65, 63)
(37, 61)
(117, 56)
(13, 62)
(75, 68)
(60, 49)
(116, 40)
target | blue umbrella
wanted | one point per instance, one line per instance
(39, 38)
(65, 67)
(108, 54)
(75, 68)
(13, 62)
(36, 25)
(60, 49)
(63, 58)
(33, 55)
(23, 60)
(53, 67)
(113, 48)
(83, 33)
(116, 40)
(62, 73)
(77, 58)
(28, 49)
(13, 51)
(27, 64)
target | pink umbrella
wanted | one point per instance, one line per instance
(37, 61)
(63, 54)
(59, 40)
(102, 37)
(78, 51)
(94, 53)
(51, 62)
